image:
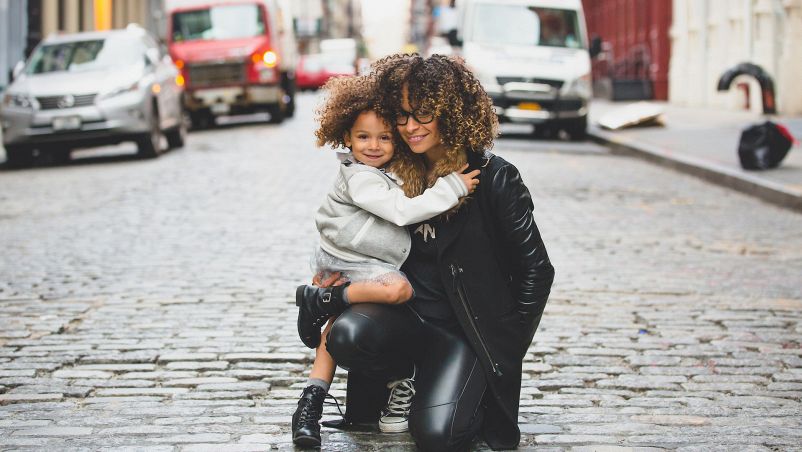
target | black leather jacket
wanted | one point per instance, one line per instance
(498, 278)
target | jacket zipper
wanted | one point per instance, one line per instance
(461, 295)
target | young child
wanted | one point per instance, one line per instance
(362, 237)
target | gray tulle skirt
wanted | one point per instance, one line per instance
(369, 270)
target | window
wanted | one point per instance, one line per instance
(79, 56)
(526, 25)
(219, 22)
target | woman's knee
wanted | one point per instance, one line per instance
(353, 336)
(432, 429)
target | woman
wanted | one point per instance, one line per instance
(480, 273)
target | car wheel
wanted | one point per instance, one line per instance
(18, 156)
(149, 144)
(577, 129)
(177, 136)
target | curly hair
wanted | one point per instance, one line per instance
(445, 86)
(346, 97)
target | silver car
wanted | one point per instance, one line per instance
(93, 88)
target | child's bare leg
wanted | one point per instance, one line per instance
(324, 366)
(394, 291)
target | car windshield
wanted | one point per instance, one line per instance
(81, 56)
(526, 25)
(218, 22)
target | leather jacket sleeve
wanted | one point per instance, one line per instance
(529, 265)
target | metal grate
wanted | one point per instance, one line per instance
(59, 102)
(216, 74)
(553, 83)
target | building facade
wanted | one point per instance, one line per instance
(13, 26)
(710, 37)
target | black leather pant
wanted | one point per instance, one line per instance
(385, 341)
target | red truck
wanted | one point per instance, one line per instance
(236, 56)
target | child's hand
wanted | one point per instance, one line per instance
(469, 179)
(331, 279)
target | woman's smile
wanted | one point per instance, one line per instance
(415, 139)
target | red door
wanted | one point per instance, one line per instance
(637, 33)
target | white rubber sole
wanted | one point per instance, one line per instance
(396, 427)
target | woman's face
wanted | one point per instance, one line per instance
(421, 138)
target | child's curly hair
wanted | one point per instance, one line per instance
(446, 87)
(346, 97)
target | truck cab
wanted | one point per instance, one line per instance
(236, 56)
(532, 58)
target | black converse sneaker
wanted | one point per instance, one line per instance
(394, 416)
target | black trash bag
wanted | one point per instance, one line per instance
(764, 146)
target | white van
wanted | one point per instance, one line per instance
(532, 58)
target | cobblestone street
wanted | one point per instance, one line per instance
(148, 304)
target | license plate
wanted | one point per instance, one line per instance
(67, 123)
(220, 109)
(534, 106)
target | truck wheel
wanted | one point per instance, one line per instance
(577, 129)
(149, 144)
(18, 156)
(290, 112)
(276, 113)
(202, 119)
(543, 132)
(59, 155)
(290, 90)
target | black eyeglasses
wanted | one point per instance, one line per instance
(421, 117)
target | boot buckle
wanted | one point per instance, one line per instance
(326, 297)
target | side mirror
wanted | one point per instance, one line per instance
(453, 40)
(17, 69)
(152, 56)
(595, 46)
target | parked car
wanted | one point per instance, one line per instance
(237, 56)
(93, 88)
(315, 69)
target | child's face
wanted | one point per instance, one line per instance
(371, 140)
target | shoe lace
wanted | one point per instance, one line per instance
(401, 393)
(310, 411)
(329, 396)
(313, 412)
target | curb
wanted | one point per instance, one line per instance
(726, 177)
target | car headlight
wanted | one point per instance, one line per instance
(18, 100)
(579, 87)
(121, 90)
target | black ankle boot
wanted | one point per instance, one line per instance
(305, 426)
(316, 305)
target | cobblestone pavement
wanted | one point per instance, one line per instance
(147, 305)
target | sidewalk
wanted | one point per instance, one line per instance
(704, 142)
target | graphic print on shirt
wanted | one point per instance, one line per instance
(426, 230)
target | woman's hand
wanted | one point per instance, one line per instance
(469, 179)
(330, 279)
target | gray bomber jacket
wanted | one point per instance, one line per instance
(364, 215)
